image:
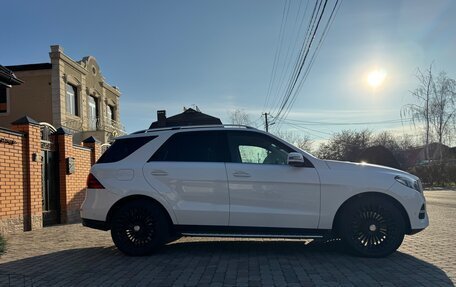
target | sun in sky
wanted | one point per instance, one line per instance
(376, 77)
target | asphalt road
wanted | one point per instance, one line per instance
(71, 255)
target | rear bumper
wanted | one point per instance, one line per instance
(95, 224)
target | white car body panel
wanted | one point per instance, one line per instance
(98, 202)
(268, 195)
(343, 180)
(196, 191)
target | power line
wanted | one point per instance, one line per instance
(295, 78)
(289, 56)
(278, 50)
(319, 123)
(314, 55)
(276, 107)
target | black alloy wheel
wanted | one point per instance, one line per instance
(139, 228)
(372, 226)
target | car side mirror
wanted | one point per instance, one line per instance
(295, 159)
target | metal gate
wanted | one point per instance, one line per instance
(49, 177)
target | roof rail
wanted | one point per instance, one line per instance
(192, 127)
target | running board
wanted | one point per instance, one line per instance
(255, 232)
(287, 236)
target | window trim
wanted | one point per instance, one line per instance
(110, 108)
(8, 102)
(97, 118)
(77, 99)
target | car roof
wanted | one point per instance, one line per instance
(148, 132)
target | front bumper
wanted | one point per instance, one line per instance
(415, 231)
(414, 204)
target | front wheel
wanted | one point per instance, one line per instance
(372, 226)
(139, 228)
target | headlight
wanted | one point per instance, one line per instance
(413, 184)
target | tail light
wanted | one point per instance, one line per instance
(92, 182)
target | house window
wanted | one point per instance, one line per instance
(109, 114)
(72, 100)
(93, 113)
(3, 100)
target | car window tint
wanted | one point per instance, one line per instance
(122, 148)
(252, 154)
(250, 147)
(203, 146)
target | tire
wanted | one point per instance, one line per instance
(372, 226)
(139, 228)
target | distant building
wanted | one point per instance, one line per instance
(7, 80)
(189, 117)
(66, 93)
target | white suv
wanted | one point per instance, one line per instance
(152, 186)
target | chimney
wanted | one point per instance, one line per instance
(161, 118)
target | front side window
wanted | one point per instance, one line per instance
(204, 146)
(71, 100)
(249, 147)
(3, 100)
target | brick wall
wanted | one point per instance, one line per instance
(31, 154)
(21, 175)
(72, 186)
(12, 181)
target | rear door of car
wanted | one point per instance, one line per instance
(189, 171)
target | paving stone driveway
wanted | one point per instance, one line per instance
(71, 255)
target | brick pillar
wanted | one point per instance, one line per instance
(64, 142)
(95, 147)
(33, 197)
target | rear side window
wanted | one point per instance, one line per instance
(122, 148)
(204, 146)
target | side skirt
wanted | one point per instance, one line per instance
(242, 231)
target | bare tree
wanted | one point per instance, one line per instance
(386, 139)
(301, 141)
(345, 145)
(240, 117)
(420, 112)
(435, 107)
(443, 106)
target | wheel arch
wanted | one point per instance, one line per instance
(137, 197)
(372, 194)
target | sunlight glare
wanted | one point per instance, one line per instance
(376, 77)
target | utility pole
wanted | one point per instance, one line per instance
(266, 124)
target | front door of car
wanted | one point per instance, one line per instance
(189, 171)
(264, 190)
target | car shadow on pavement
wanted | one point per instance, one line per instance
(197, 262)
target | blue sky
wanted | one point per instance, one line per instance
(219, 54)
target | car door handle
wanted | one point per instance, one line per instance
(241, 174)
(158, 172)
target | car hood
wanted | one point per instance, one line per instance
(365, 167)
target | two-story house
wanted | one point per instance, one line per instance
(65, 93)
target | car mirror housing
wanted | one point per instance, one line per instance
(295, 159)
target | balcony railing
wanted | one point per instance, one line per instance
(114, 126)
(97, 124)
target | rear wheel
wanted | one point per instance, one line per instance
(372, 226)
(139, 228)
